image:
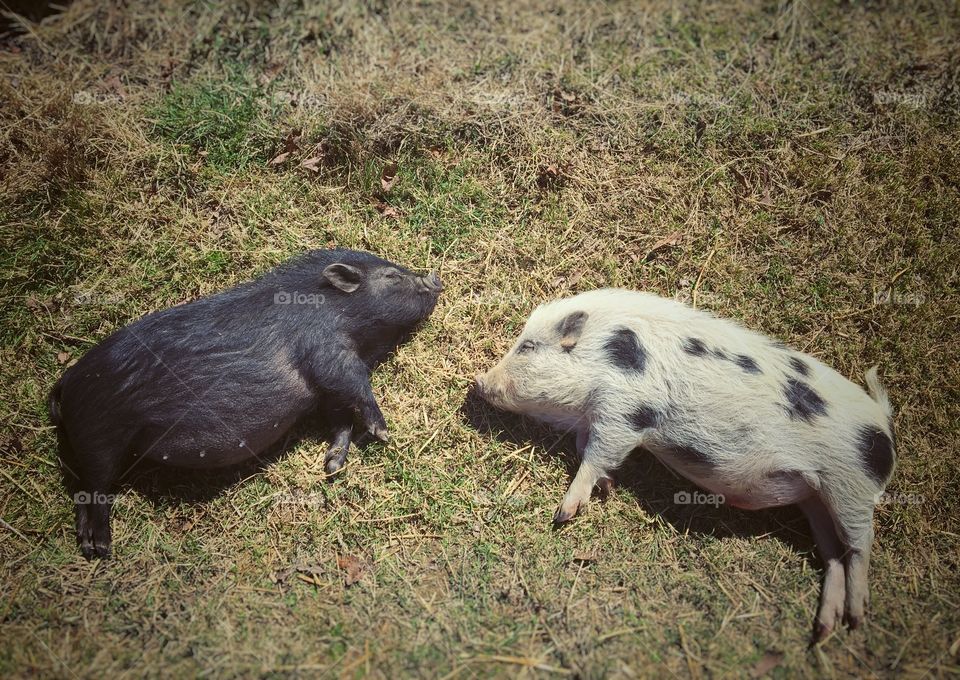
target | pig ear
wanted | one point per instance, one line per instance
(570, 329)
(343, 276)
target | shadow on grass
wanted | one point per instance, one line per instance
(653, 484)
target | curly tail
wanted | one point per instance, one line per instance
(877, 392)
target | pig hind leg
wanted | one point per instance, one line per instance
(832, 596)
(92, 505)
(852, 509)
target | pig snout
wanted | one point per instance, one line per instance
(431, 283)
(491, 387)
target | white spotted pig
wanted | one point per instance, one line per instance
(735, 412)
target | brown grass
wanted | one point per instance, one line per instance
(792, 165)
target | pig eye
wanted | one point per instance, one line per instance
(526, 347)
(392, 274)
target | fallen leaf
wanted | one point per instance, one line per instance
(312, 164)
(670, 240)
(63, 357)
(584, 556)
(770, 660)
(387, 210)
(548, 176)
(280, 158)
(352, 567)
(389, 176)
(568, 96)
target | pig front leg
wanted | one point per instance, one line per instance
(347, 384)
(339, 443)
(602, 450)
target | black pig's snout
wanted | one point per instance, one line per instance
(431, 283)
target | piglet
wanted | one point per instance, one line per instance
(738, 414)
(216, 381)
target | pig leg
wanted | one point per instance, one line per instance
(605, 483)
(350, 388)
(603, 450)
(92, 512)
(339, 444)
(831, 552)
(852, 508)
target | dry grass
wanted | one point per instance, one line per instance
(788, 165)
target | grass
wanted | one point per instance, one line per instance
(791, 165)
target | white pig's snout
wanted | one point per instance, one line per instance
(490, 386)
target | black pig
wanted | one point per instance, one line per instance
(216, 381)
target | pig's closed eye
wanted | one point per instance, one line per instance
(526, 347)
(392, 274)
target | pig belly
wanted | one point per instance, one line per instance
(215, 445)
(768, 490)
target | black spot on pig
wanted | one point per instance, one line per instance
(803, 402)
(876, 453)
(747, 364)
(644, 417)
(220, 380)
(800, 366)
(719, 354)
(625, 351)
(779, 344)
(695, 347)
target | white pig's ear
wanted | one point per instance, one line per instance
(570, 329)
(343, 276)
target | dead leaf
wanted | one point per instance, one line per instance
(280, 158)
(312, 164)
(770, 660)
(568, 96)
(272, 70)
(353, 569)
(548, 176)
(670, 240)
(388, 210)
(584, 556)
(389, 176)
(63, 357)
(32, 303)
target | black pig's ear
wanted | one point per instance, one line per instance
(343, 276)
(570, 329)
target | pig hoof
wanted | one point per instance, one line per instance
(820, 632)
(854, 621)
(605, 484)
(333, 466)
(380, 433)
(94, 546)
(564, 515)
